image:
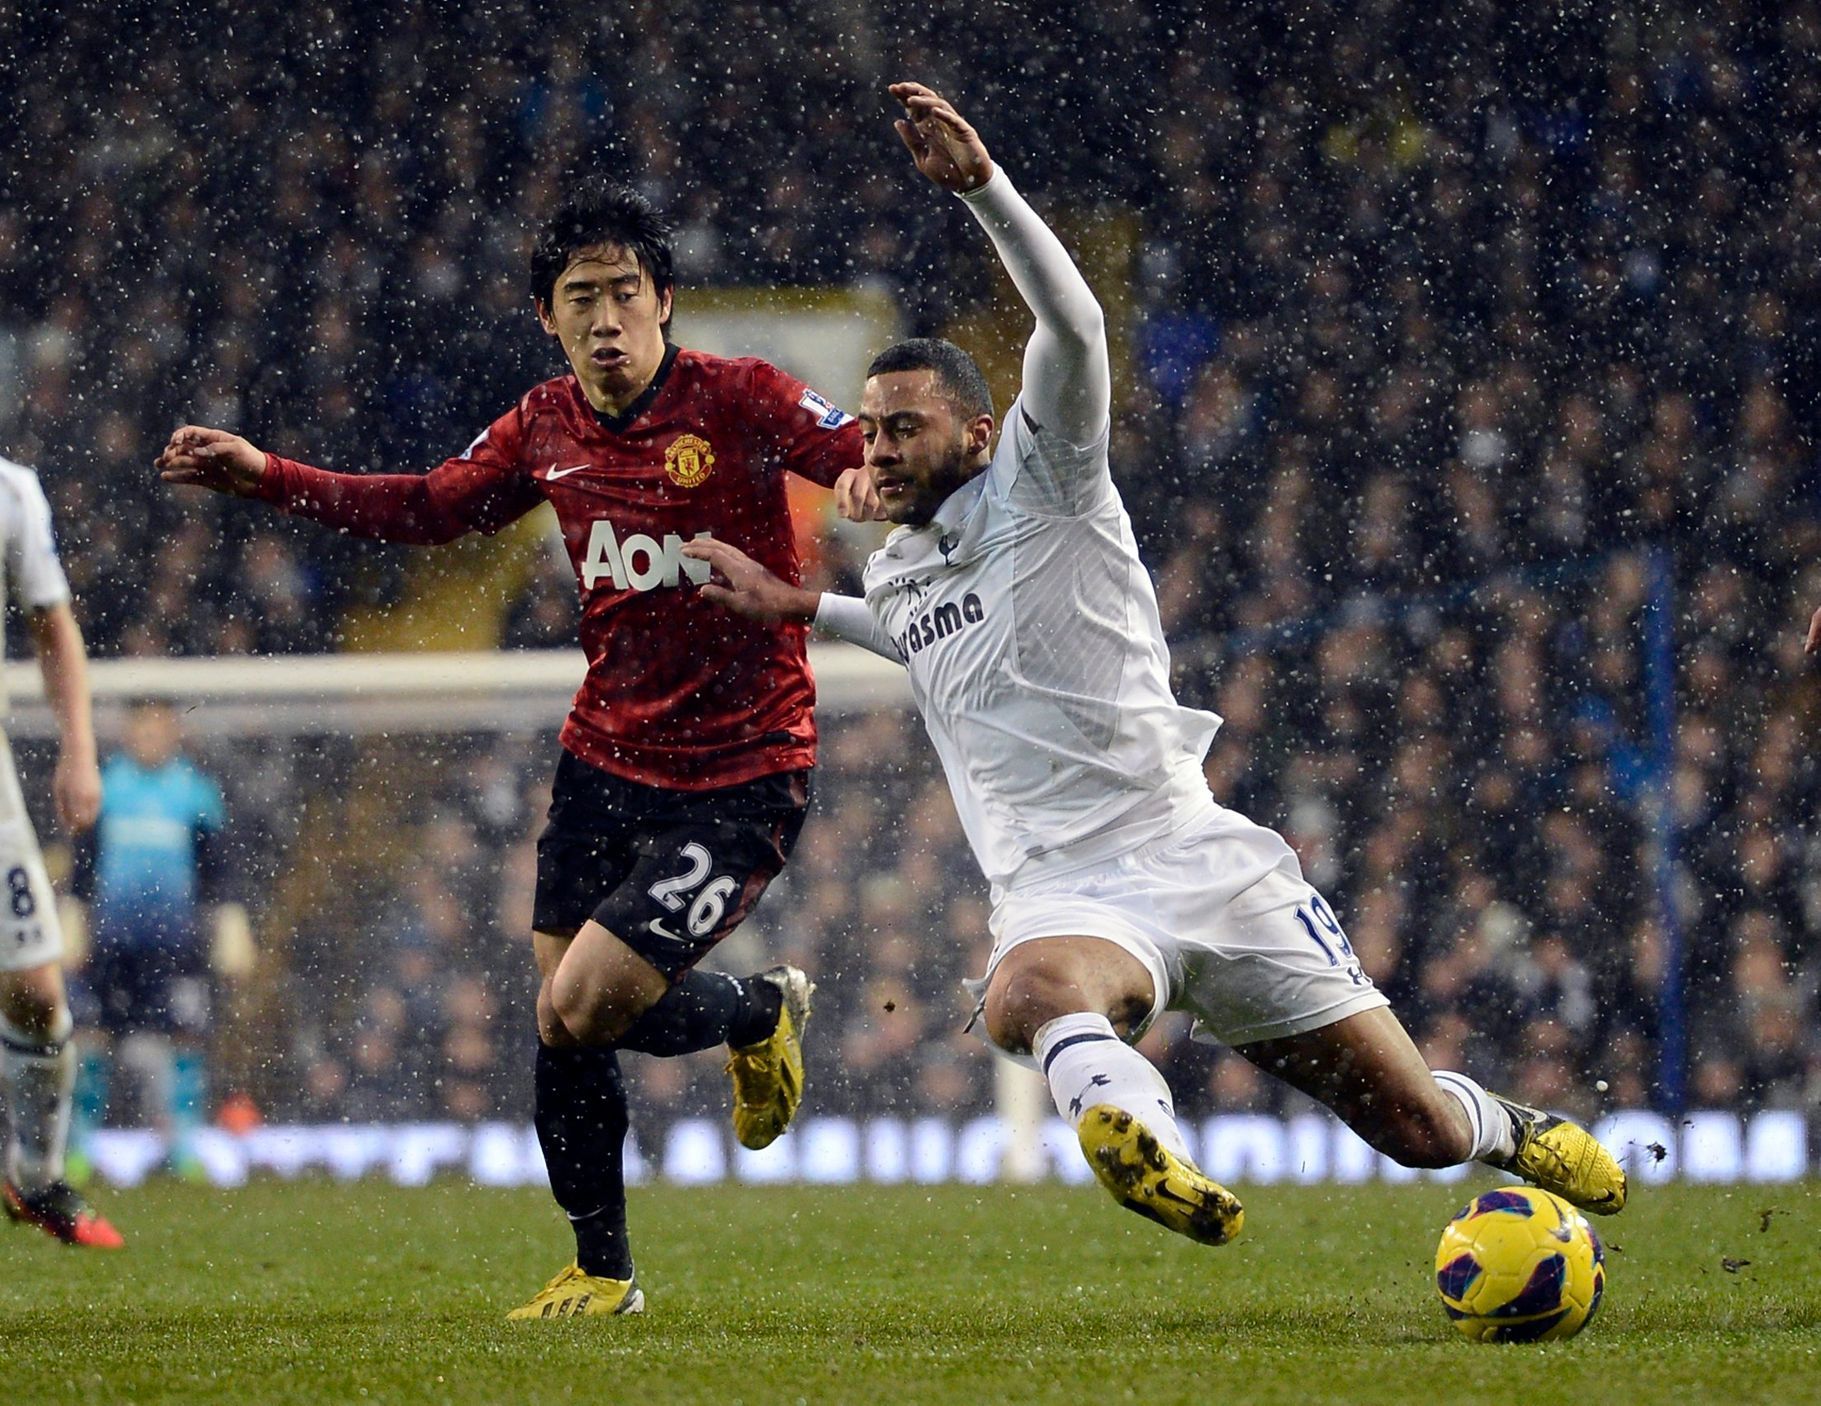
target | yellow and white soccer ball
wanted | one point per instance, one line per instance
(1519, 1266)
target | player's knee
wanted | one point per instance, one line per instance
(1021, 1000)
(587, 1019)
(1002, 1030)
(550, 1028)
(589, 1013)
(32, 1004)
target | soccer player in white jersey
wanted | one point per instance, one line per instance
(37, 1057)
(1013, 593)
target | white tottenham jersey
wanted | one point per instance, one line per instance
(28, 552)
(1037, 659)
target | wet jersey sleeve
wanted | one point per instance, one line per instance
(1067, 381)
(1059, 425)
(809, 435)
(483, 489)
(31, 548)
(849, 618)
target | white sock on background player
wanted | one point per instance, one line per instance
(1088, 1064)
(39, 1077)
(1492, 1133)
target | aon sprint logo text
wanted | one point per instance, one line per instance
(640, 562)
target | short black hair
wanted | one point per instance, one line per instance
(596, 212)
(957, 373)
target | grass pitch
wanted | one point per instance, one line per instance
(317, 1292)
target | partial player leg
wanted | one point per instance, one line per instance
(705, 1009)
(761, 1018)
(38, 1062)
(581, 1126)
(597, 982)
(599, 993)
(1368, 1071)
(635, 886)
(1067, 1001)
(693, 882)
(596, 986)
(88, 1105)
(187, 1111)
(581, 1119)
(38, 1069)
(150, 1059)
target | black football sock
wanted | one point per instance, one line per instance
(764, 1005)
(581, 1125)
(701, 1011)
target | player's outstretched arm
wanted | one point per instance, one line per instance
(425, 509)
(743, 586)
(206, 458)
(1067, 378)
(746, 588)
(1814, 633)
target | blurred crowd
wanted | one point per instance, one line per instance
(1467, 423)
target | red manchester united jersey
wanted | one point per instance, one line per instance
(679, 693)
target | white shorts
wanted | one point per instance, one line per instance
(1221, 916)
(29, 932)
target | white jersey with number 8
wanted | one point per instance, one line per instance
(29, 934)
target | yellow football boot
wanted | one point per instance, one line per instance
(1146, 1177)
(573, 1294)
(1564, 1158)
(768, 1076)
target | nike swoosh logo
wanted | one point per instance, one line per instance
(556, 473)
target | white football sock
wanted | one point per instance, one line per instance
(153, 1061)
(39, 1076)
(1491, 1125)
(1087, 1064)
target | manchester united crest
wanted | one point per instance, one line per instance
(689, 460)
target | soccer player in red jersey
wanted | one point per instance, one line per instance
(683, 777)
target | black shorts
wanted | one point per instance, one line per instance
(155, 988)
(669, 873)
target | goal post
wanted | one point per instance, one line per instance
(460, 691)
(339, 771)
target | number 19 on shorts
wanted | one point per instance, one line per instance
(1324, 931)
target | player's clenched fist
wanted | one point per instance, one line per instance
(76, 791)
(214, 459)
(1814, 633)
(857, 497)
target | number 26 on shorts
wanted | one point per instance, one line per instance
(710, 902)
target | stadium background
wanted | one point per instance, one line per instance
(1465, 409)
